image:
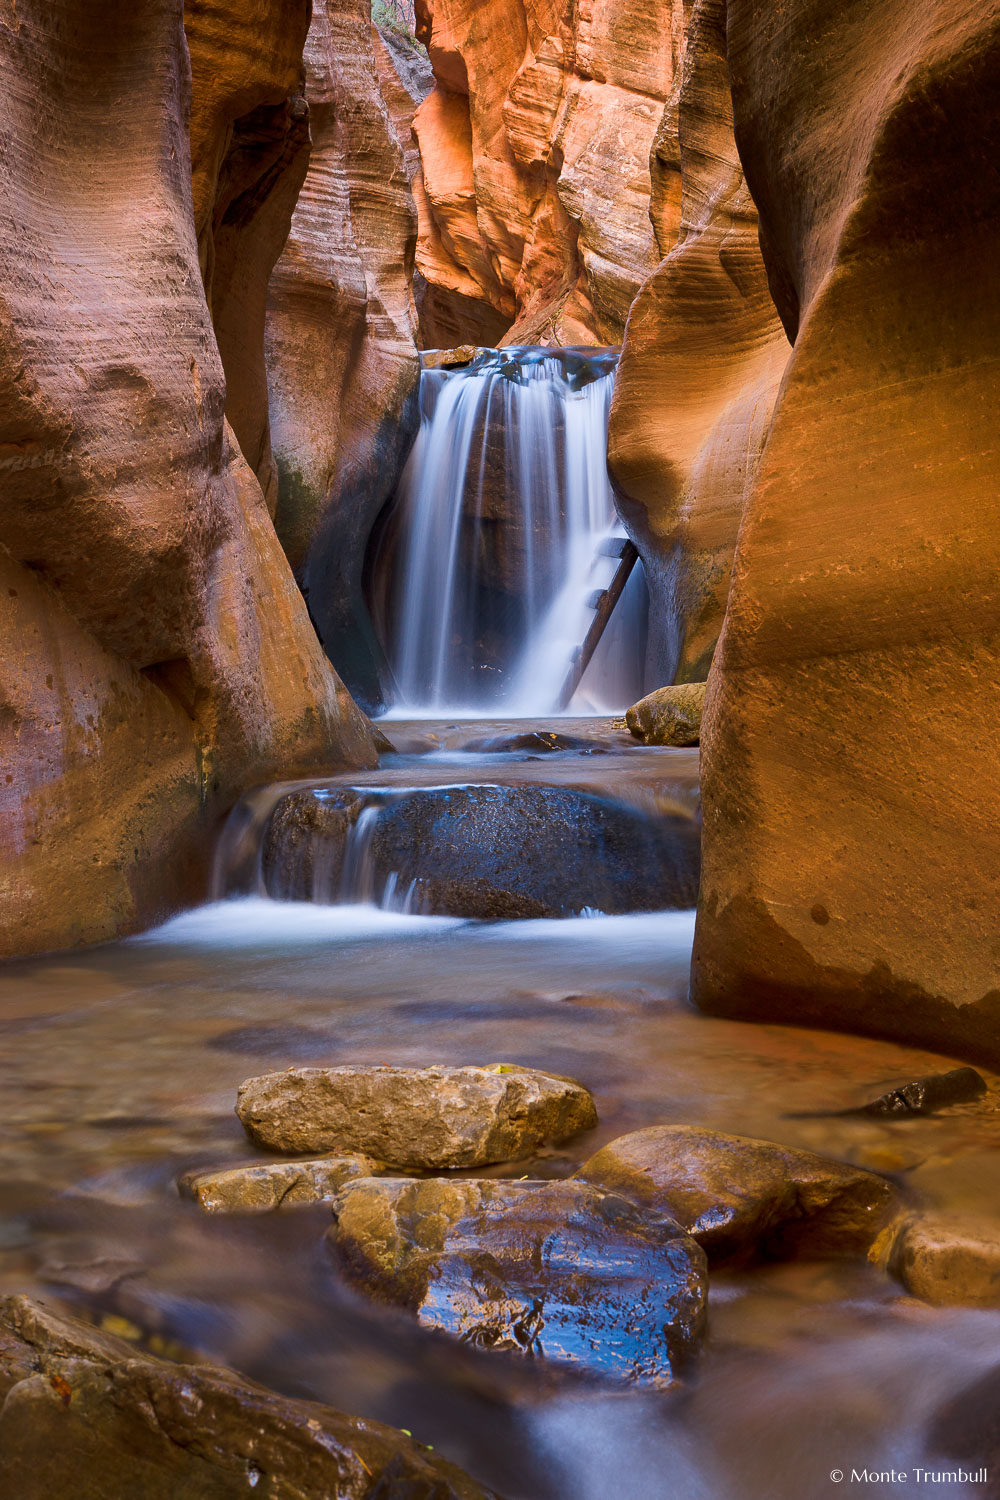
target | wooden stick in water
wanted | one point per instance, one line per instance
(603, 612)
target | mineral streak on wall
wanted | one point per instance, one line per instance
(157, 655)
(852, 738)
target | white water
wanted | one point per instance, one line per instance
(493, 592)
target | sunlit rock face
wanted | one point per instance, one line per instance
(341, 354)
(700, 367)
(157, 655)
(535, 146)
(851, 742)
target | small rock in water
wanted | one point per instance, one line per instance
(558, 1270)
(670, 716)
(924, 1095)
(947, 1260)
(539, 741)
(263, 1187)
(415, 1118)
(742, 1198)
(88, 1415)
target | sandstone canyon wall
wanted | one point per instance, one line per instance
(535, 143)
(341, 353)
(157, 655)
(703, 354)
(851, 752)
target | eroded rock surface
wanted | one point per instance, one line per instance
(262, 1187)
(89, 1415)
(851, 746)
(341, 356)
(743, 1199)
(415, 1117)
(558, 1270)
(948, 1259)
(158, 656)
(668, 716)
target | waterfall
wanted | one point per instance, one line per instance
(505, 515)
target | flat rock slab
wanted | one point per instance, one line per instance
(744, 1199)
(87, 1415)
(559, 1270)
(949, 1261)
(415, 1118)
(669, 716)
(262, 1187)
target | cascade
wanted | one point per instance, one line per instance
(505, 535)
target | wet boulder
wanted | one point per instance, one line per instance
(302, 858)
(496, 852)
(262, 1187)
(87, 1415)
(669, 716)
(746, 1199)
(925, 1095)
(415, 1118)
(536, 742)
(558, 1270)
(949, 1260)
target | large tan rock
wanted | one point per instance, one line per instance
(743, 1199)
(263, 1187)
(669, 715)
(851, 743)
(700, 366)
(158, 658)
(415, 1118)
(87, 1415)
(341, 357)
(949, 1260)
(554, 1270)
(535, 148)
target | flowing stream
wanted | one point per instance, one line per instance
(506, 531)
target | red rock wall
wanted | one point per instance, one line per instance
(341, 354)
(535, 144)
(852, 738)
(158, 657)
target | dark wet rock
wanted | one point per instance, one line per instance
(745, 1199)
(536, 741)
(924, 1095)
(303, 852)
(262, 1187)
(498, 851)
(558, 1270)
(967, 1428)
(285, 1038)
(415, 1118)
(670, 716)
(89, 1416)
(948, 1260)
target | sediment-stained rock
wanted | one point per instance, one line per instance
(744, 1199)
(158, 657)
(851, 744)
(341, 356)
(949, 1260)
(700, 366)
(535, 148)
(415, 1118)
(668, 716)
(262, 1187)
(556, 1270)
(88, 1415)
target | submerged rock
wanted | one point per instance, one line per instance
(744, 1199)
(538, 742)
(924, 1095)
(262, 1187)
(557, 1270)
(949, 1260)
(87, 1415)
(670, 716)
(415, 1118)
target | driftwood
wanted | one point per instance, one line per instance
(604, 605)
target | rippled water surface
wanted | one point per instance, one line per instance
(120, 1067)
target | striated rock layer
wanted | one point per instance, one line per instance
(341, 356)
(535, 194)
(700, 366)
(851, 741)
(158, 657)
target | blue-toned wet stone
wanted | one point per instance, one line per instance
(561, 1271)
